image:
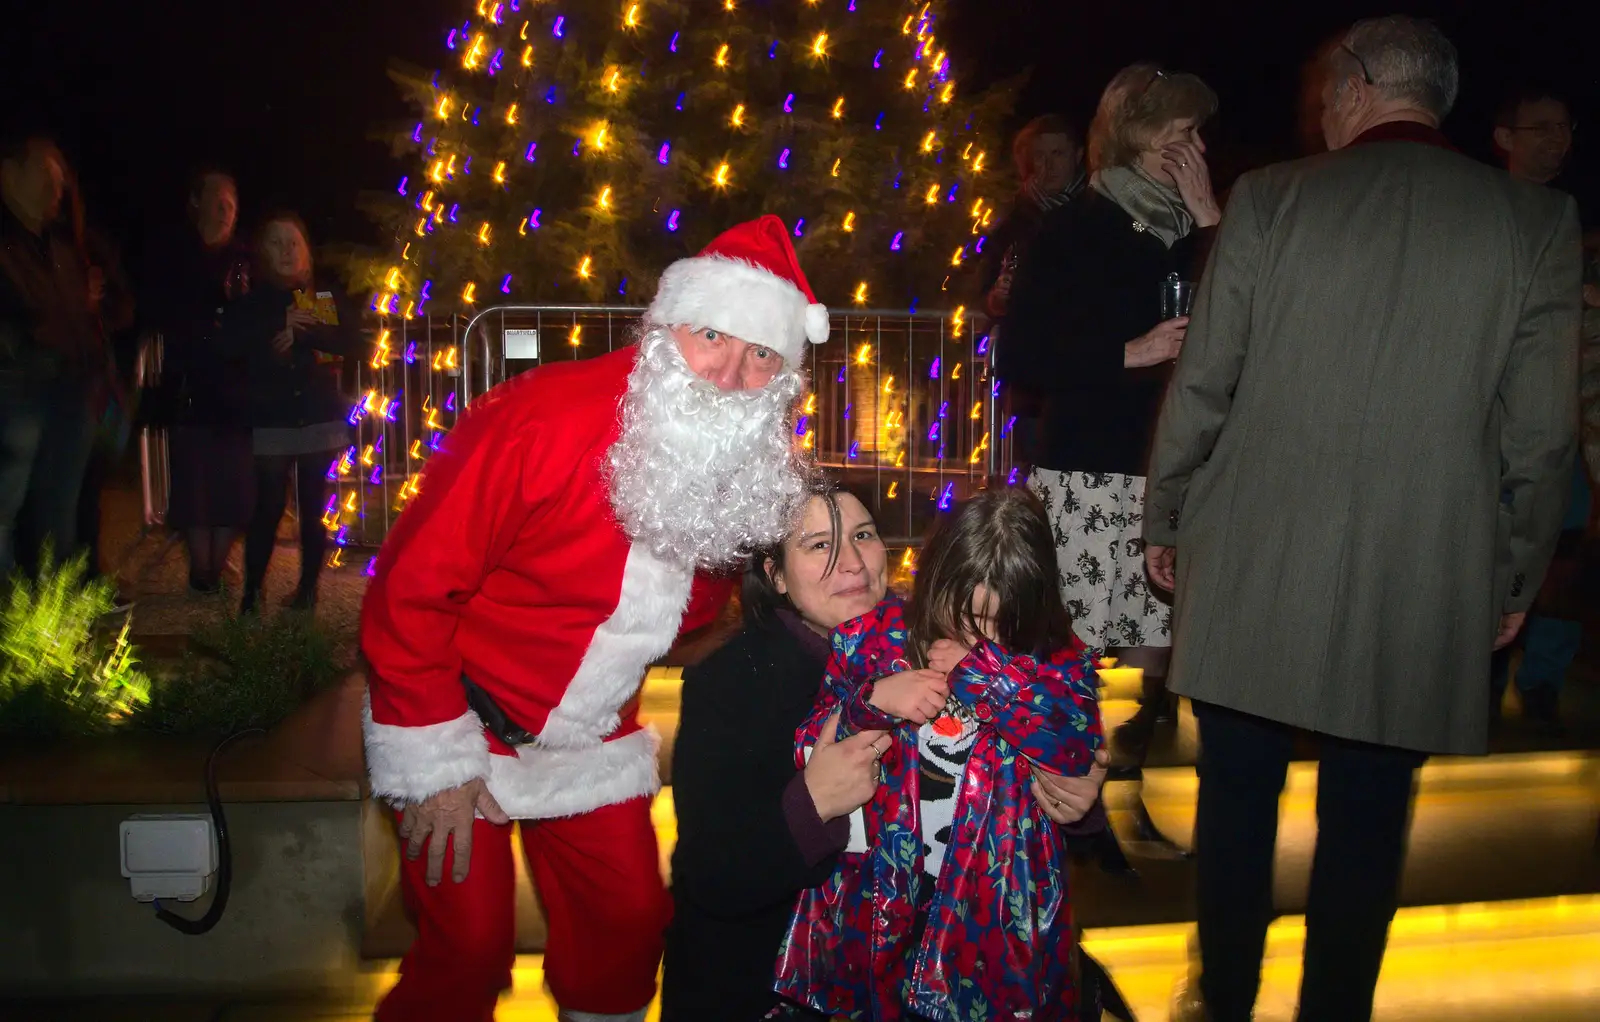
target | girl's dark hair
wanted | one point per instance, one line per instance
(758, 594)
(999, 539)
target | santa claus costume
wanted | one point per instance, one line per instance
(558, 545)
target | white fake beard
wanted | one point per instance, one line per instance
(703, 476)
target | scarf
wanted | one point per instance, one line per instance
(1155, 207)
(1046, 201)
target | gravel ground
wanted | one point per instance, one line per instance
(152, 568)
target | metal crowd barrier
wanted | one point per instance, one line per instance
(901, 405)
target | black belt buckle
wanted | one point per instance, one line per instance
(494, 718)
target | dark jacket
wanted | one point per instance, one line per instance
(294, 389)
(186, 287)
(738, 864)
(47, 329)
(1091, 284)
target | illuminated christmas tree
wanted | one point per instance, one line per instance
(571, 150)
(568, 151)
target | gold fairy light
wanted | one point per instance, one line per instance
(721, 177)
(850, 221)
(722, 56)
(527, 56)
(613, 79)
(864, 353)
(575, 335)
(631, 19)
(932, 194)
(583, 268)
(838, 108)
(483, 233)
(500, 173)
(737, 120)
(605, 198)
(819, 46)
(928, 141)
(469, 294)
(860, 296)
(511, 114)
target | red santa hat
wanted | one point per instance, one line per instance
(747, 282)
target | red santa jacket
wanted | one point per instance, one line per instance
(510, 567)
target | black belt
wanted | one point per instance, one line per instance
(494, 718)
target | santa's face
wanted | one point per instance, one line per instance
(729, 362)
(705, 469)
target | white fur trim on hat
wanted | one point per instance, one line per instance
(745, 300)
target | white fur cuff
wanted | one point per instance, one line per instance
(408, 764)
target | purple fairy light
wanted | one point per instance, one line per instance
(416, 136)
(855, 450)
(841, 380)
(672, 221)
(450, 402)
(673, 45)
(533, 219)
(505, 285)
(495, 63)
(983, 345)
(800, 427)
(788, 103)
(450, 40)
(978, 248)
(783, 160)
(403, 181)
(1011, 479)
(558, 29)
(372, 567)
(894, 246)
(944, 409)
(664, 153)
(799, 226)
(947, 496)
(933, 432)
(529, 155)
(877, 61)
(376, 477)
(411, 353)
(933, 374)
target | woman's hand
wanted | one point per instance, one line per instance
(946, 655)
(1187, 165)
(299, 319)
(1162, 344)
(842, 776)
(1069, 799)
(917, 696)
(282, 341)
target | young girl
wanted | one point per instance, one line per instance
(950, 902)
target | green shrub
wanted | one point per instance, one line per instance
(59, 675)
(246, 672)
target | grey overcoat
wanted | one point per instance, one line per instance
(1384, 343)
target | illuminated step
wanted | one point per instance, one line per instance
(1521, 960)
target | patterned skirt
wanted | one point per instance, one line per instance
(1097, 519)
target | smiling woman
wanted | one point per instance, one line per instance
(752, 830)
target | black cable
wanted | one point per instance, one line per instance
(219, 901)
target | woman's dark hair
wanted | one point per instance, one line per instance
(999, 539)
(758, 594)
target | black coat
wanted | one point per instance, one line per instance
(291, 390)
(1091, 284)
(186, 286)
(737, 869)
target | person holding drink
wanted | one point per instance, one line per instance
(1097, 309)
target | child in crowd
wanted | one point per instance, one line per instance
(950, 902)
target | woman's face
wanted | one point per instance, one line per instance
(1153, 158)
(286, 252)
(860, 575)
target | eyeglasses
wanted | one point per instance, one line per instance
(1160, 75)
(1366, 75)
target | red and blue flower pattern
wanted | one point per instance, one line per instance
(998, 943)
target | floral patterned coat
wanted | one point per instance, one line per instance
(998, 944)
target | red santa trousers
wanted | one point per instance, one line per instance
(598, 877)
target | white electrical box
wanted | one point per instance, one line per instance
(522, 344)
(171, 856)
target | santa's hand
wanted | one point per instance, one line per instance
(445, 819)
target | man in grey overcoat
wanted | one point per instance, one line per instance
(1355, 488)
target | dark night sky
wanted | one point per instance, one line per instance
(290, 93)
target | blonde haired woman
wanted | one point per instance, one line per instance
(1087, 309)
